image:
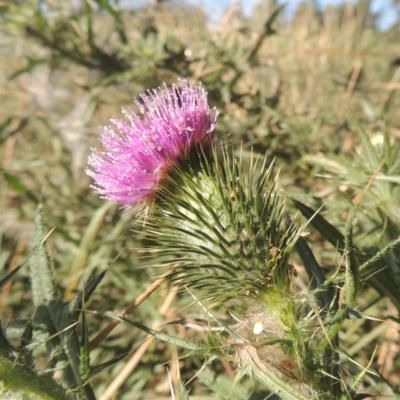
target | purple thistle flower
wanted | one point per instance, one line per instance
(139, 153)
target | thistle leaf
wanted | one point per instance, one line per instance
(53, 321)
(380, 280)
(178, 341)
(8, 277)
(84, 295)
(352, 264)
(372, 154)
(228, 389)
(44, 290)
(182, 392)
(97, 368)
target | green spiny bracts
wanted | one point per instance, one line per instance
(227, 228)
(226, 234)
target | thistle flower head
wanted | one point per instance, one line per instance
(140, 153)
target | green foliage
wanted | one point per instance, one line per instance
(53, 324)
(283, 89)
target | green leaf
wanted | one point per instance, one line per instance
(22, 378)
(53, 317)
(377, 276)
(85, 350)
(177, 341)
(225, 388)
(19, 186)
(182, 392)
(371, 152)
(274, 383)
(314, 272)
(7, 278)
(328, 231)
(352, 264)
(44, 290)
(97, 368)
(83, 296)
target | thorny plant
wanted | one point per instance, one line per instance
(227, 237)
(282, 87)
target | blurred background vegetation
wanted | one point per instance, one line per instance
(282, 87)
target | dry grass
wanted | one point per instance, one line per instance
(288, 99)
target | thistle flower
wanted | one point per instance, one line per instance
(225, 229)
(140, 153)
